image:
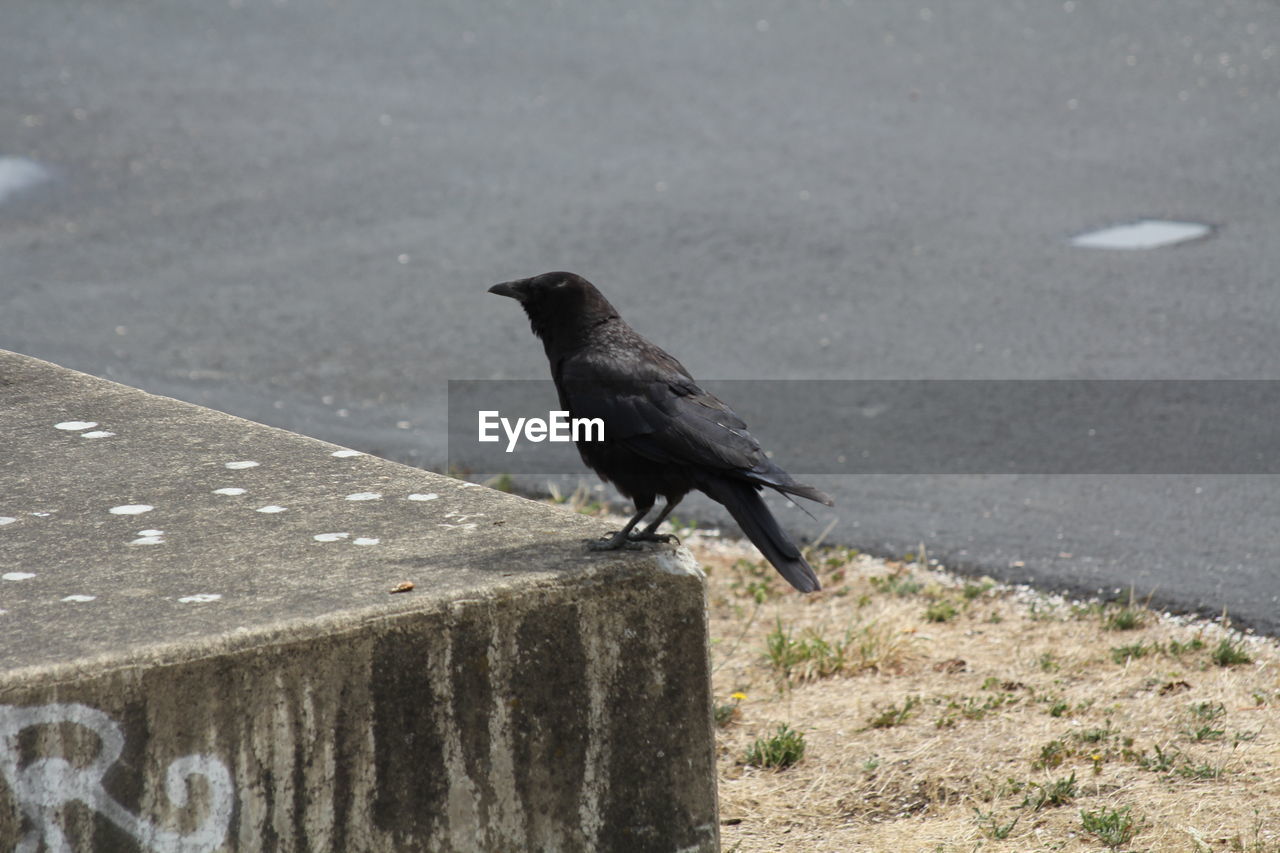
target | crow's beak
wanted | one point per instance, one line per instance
(507, 288)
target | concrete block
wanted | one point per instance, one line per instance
(202, 654)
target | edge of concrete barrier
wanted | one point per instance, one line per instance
(213, 674)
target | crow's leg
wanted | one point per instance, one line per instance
(623, 538)
(650, 532)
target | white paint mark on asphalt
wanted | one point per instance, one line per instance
(364, 496)
(97, 433)
(1143, 234)
(17, 576)
(229, 490)
(239, 466)
(430, 496)
(346, 454)
(365, 540)
(76, 426)
(271, 508)
(200, 598)
(130, 509)
(78, 598)
(18, 174)
(330, 537)
(6, 519)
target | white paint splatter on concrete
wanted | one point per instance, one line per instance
(229, 490)
(241, 465)
(461, 517)
(457, 526)
(149, 537)
(346, 454)
(17, 576)
(97, 433)
(430, 496)
(76, 426)
(200, 598)
(330, 537)
(79, 597)
(271, 508)
(6, 519)
(131, 509)
(364, 496)
(363, 540)
(41, 514)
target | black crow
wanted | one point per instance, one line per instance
(663, 435)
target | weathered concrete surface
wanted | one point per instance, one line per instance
(204, 675)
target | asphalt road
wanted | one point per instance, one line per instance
(290, 210)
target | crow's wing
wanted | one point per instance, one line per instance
(650, 404)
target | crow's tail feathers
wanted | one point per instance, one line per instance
(743, 501)
(768, 474)
(801, 490)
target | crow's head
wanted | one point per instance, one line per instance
(562, 307)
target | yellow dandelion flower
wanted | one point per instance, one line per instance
(739, 696)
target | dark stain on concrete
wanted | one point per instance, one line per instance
(408, 747)
(549, 722)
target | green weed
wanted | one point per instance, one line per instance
(1113, 827)
(779, 751)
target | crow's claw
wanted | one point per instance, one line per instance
(647, 536)
(614, 542)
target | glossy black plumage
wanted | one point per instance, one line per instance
(663, 434)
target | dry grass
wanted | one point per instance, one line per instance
(949, 715)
